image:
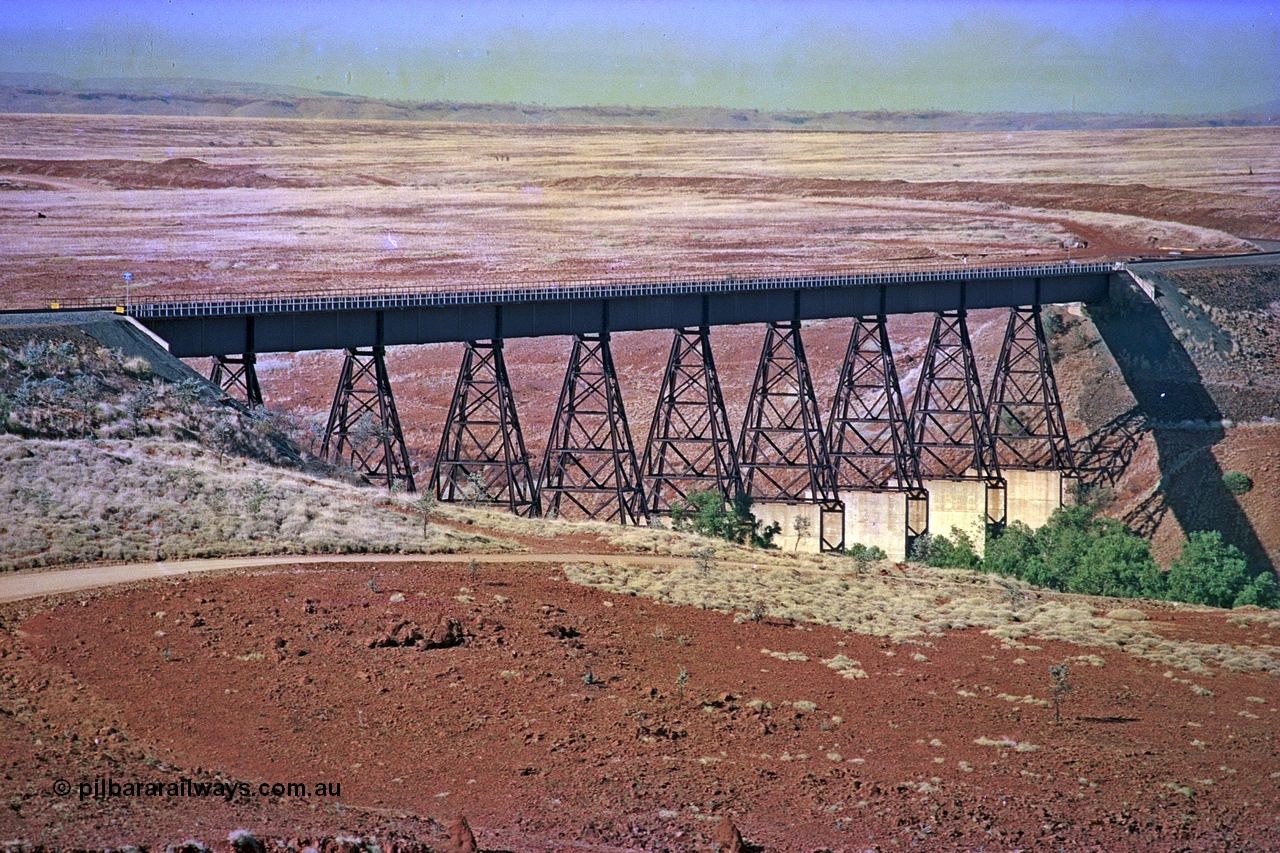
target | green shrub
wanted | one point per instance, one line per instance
(708, 513)
(1077, 552)
(936, 550)
(1237, 482)
(1215, 573)
(1117, 563)
(863, 555)
(871, 553)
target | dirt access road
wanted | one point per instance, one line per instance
(19, 586)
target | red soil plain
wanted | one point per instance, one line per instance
(269, 676)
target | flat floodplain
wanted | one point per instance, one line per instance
(222, 206)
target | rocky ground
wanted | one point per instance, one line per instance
(555, 716)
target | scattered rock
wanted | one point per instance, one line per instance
(727, 837)
(401, 633)
(243, 841)
(463, 840)
(188, 846)
(446, 634)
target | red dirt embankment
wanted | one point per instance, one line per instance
(572, 718)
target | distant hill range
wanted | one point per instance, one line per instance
(49, 93)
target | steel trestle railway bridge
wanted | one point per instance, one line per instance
(870, 452)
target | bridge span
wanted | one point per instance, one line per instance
(872, 471)
(335, 319)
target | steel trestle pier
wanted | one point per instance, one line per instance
(690, 445)
(238, 377)
(782, 451)
(364, 429)
(590, 466)
(1025, 413)
(482, 456)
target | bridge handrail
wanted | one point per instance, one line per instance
(380, 298)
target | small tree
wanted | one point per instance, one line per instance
(475, 490)
(803, 526)
(225, 437)
(426, 506)
(139, 403)
(1059, 689)
(255, 494)
(85, 390)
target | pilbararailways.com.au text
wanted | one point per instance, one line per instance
(103, 788)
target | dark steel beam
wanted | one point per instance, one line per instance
(284, 325)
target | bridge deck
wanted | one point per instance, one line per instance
(337, 319)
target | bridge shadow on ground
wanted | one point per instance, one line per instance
(1186, 423)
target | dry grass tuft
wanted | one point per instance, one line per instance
(796, 656)
(145, 499)
(913, 606)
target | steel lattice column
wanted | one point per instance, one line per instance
(949, 425)
(948, 417)
(782, 451)
(238, 377)
(364, 429)
(482, 456)
(690, 446)
(869, 433)
(590, 465)
(1025, 412)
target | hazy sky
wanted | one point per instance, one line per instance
(1172, 56)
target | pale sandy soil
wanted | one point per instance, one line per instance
(278, 205)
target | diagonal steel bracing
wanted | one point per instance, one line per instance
(948, 417)
(782, 451)
(1025, 412)
(868, 434)
(482, 457)
(690, 447)
(238, 377)
(364, 429)
(590, 466)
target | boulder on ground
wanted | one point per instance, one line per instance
(462, 838)
(445, 633)
(727, 837)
